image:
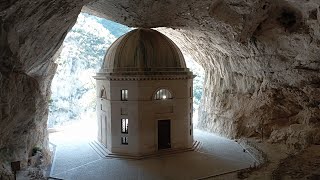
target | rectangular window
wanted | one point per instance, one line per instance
(124, 94)
(124, 140)
(124, 111)
(190, 119)
(190, 132)
(101, 106)
(190, 90)
(124, 126)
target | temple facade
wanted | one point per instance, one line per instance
(144, 95)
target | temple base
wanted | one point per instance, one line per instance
(105, 153)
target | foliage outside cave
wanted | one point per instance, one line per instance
(73, 88)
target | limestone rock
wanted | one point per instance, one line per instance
(259, 84)
(261, 59)
(30, 32)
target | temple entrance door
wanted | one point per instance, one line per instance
(164, 136)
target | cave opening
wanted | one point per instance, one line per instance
(72, 122)
(72, 105)
(270, 82)
(73, 88)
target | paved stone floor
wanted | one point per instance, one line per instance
(75, 159)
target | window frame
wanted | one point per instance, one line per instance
(124, 125)
(191, 91)
(103, 93)
(124, 111)
(124, 140)
(161, 92)
(124, 94)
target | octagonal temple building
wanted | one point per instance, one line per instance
(144, 95)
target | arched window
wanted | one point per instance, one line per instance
(102, 93)
(163, 94)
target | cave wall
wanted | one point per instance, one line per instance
(31, 32)
(261, 59)
(263, 80)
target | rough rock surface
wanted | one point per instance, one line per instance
(31, 32)
(308, 168)
(262, 72)
(261, 57)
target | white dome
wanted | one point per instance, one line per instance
(142, 50)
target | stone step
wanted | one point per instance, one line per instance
(99, 148)
(49, 178)
(105, 153)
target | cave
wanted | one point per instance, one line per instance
(261, 62)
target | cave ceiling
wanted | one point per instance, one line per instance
(261, 60)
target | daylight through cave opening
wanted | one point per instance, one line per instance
(261, 60)
(73, 88)
(73, 99)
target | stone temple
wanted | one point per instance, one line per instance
(144, 95)
(260, 57)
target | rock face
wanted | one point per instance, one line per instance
(263, 80)
(30, 34)
(261, 57)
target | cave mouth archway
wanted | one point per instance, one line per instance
(256, 76)
(73, 100)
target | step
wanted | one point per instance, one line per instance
(105, 153)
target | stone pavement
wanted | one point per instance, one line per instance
(75, 159)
